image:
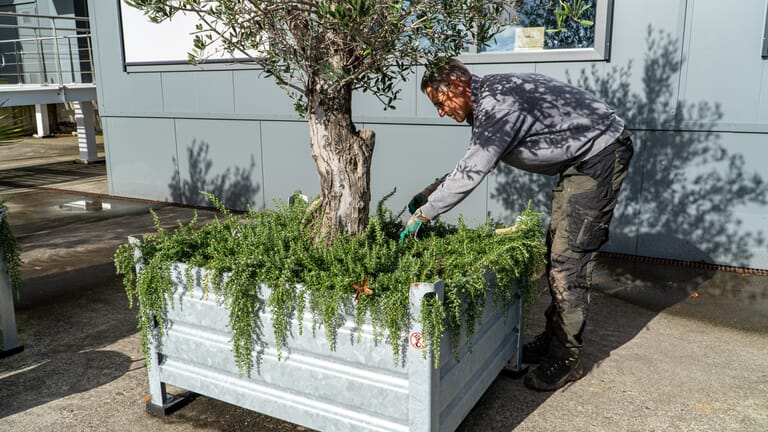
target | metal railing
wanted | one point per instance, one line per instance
(45, 50)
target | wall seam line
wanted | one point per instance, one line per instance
(261, 155)
(685, 45)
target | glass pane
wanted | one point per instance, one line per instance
(535, 25)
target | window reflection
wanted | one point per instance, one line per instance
(534, 25)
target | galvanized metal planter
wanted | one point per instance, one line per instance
(9, 342)
(357, 387)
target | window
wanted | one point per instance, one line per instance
(549, 30)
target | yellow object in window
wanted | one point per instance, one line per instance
(529, 38)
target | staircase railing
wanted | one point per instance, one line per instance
(45, 50)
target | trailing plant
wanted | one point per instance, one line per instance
(365, 276)
(11, 127)
(11, 252)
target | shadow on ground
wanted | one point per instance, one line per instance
(47, 175)
(612, 323)
(64, 335)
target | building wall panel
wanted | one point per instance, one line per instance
(288, 163)
(140, 156)
(686, 75)
(222, 157)
(724, 65)
(409, 158)
(198, 92)
(260, 96)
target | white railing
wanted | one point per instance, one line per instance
(45, 50)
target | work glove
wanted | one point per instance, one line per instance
(421, 198)
(413, 225)
(417, 201)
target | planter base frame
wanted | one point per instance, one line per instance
(9, 352)
(172, 402)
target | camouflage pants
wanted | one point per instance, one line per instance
(582, 209)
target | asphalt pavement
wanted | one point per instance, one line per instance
(668, 347)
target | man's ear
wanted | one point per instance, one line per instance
(460, 87)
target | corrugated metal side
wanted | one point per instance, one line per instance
(357, 387)
(495, 342)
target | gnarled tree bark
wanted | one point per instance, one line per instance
(343, 158)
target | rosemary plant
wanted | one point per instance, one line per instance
(11, 252)
(361, 276)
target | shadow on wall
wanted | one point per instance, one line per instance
(233, 187)
(682, 186)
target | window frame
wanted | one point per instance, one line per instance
(600, 52)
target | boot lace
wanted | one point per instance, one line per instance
(539, 344)
(556, 368)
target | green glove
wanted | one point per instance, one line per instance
(417, 201)
(410, 230)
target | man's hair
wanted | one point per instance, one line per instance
(440, 73)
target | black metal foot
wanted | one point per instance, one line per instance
(514, 374)
(12, 351)
(172, 403)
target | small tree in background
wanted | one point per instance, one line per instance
(320, 52)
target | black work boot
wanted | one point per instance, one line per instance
(553, 373)
(535, 350)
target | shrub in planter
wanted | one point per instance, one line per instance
(10, 283)
(11, 251)
(366, 276)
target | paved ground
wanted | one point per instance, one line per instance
(669, 348)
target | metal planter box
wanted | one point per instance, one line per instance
(9, 341)
(357, 387)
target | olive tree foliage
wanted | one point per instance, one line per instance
(322, 51)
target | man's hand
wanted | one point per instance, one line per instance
(413, 225)
(410, 230)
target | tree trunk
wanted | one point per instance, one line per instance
(343, 159)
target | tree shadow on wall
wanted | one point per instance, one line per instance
(682, 190)
(683, 186)
(234, 187)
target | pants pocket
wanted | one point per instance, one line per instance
(587, 229)
(622, 157)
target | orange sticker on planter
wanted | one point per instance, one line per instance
(416, 340)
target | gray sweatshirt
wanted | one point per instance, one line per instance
(530, 121)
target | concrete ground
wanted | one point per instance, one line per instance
(668, 348)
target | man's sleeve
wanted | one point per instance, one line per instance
(490, 141)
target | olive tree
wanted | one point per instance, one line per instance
(320, 52)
